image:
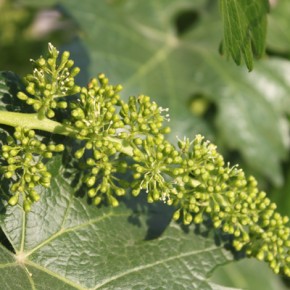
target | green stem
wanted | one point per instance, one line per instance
(126, 149)
(31, 121)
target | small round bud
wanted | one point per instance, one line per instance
(91, 181)
(113, 201)
(22, 96)
(34, 195)
(79, 153)
(97, 200)
(26, 205)
(92, 192)
(13, 200)
(187, 218)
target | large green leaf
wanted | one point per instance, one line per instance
(139, 45)
(65, 243)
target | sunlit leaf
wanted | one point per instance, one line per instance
(65, 243)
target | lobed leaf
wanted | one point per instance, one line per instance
(69, 244)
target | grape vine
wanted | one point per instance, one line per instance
(118, 137)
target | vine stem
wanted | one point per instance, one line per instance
(31, 121)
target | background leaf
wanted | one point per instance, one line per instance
(69, 244)
(244, 274)
(143, 47)
(278, 40)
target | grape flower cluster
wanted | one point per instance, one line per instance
(117, 137)
(50, 81)
(22, 160)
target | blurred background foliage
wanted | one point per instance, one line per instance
(168, 49)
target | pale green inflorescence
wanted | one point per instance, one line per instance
(22, 160)
(51, 79)
(118, 137)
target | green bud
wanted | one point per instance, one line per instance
(27, 206)
(50, 113)
(47, 155)
(120, 191)
(79, 153)
(156, 195)
(198, 218)
(41, 62)
(65, 56)
(90, 162)
(217, 223)
(135, 192)
(78, 113)
(92, 192)
(30, 89)
(8, 174)
(13, 200)
(69, 63)
(51, 147)
(34, 195)
(22, 96)
(187, 218)
(136, 175)
(27, 178)
(150, 199)
(62, 105)
(104, 188)
(97, 154)
(59, 148)
(36, 105)
(97, 200)
(176, 215)
(75, 71)
(91, 181)
(36, 178)
(113, 201)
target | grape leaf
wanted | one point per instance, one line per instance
(244, 29)
(66, 243)
(139, 46)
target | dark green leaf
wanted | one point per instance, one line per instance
(10, 84)
(65, 243)
(244, 24)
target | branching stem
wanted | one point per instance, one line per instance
(31, 121)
